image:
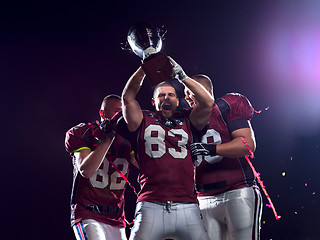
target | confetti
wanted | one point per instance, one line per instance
(283, 174)
(259, 180)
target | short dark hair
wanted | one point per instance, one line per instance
(162, 84)
(107, 98)
(204, 80)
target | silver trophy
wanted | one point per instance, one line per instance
(145, 41)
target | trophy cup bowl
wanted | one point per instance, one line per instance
(145, 41)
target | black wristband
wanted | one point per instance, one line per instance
(212, 149)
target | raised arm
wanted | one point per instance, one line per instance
(200, 114)
(131, 109)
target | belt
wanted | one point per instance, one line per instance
(104, 209)
(211, 186)
(170, 202)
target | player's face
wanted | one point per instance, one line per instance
(165, 100)
(112, 107)
(189, 97)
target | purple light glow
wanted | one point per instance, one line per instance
(294, 56)
(290, 52)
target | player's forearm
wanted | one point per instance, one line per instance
(235, 148)
(201, 112)
(132, 86)
(131, 108)
(91, 163)
(202, 96)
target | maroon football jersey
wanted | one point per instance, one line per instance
(105, 189)
(216, 174)
(166, 166)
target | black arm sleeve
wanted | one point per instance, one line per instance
(238, 124)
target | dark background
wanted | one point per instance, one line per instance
(59, 59)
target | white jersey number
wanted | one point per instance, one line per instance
(155, 145)
(100, 178)
(210, 134)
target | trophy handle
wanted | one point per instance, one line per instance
(162, 31)
(125, 46)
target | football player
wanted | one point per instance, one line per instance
(167, 206)
(97, 199)
(229, 198)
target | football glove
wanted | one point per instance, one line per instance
(147, 52)
(203, 149)
(106, 127)
(177, 71)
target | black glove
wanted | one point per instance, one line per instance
(203, 149)
(106, 127)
